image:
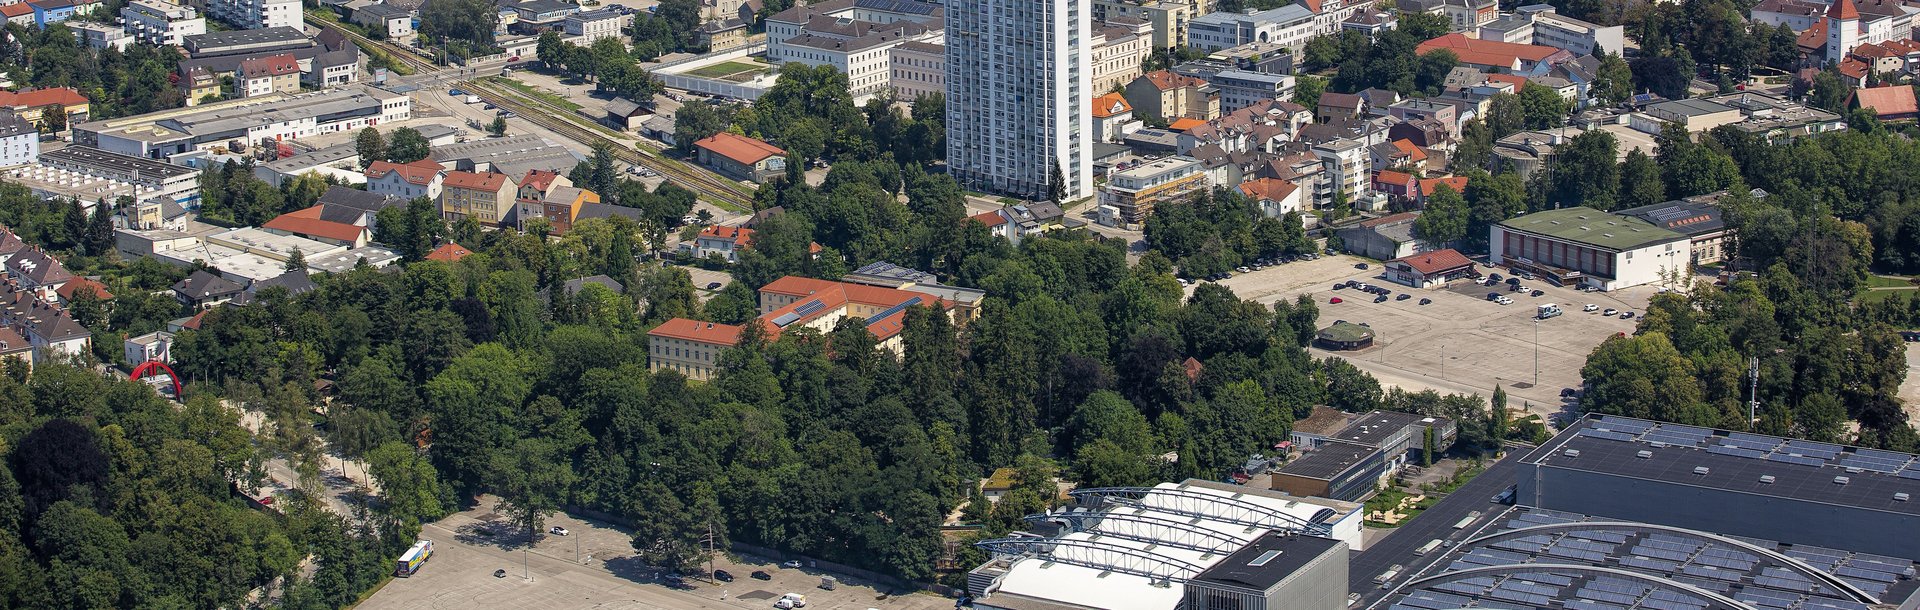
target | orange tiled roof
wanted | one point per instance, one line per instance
(1387, 176)
(1457, 183)
(1843, 9)
(1429, 263)
(308, 222)
(490, 182)
(449, 253)
(741, 149)
(1890, 100)
(64, 96)
(539, 179)
(1165, 80)
(1109, 105)
(74, 286)
(1485, 52)
(1268, 188)
(20, 9)
(1185, 123)
(1413, 152)
(271, 65)
(992, 218)
(697, 331)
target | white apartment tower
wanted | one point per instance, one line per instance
(1018, 89)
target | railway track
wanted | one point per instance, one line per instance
(408, 58)
(719, 191)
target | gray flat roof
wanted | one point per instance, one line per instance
(1372, 428)
(215, 40)
(1331, 459)
(1267, 560)
(1690, 107)
(1800, 470)
(116, 162)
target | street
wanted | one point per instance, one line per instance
(1433, 523)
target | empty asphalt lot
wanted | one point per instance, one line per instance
(460, 576)
(1461, 342)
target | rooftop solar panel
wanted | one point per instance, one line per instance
(1873, 575)
(1461, 587)
(1622, 424)
(1415, 602)
(1776, 596)
(1910, 474)
(1522, 546)
(1750, 444)
(1782, 583)
(1794, 459)
(1871, 464)
(1537, 601)
(1669, 544)
(1763, 602)
(1606, 435)
(1686, 430)
(1558, 580)
(1672, 439)
(1649, 564)
(1783, 573)
(1737, 451)
(1725, 563)
(1882, 454)
(1588, 556)
(1714, 551)
(1756, 438)
(1717, 586)
(1527, 587)
(810, 307)
(1706, 571)
(1618, 586)
(1607, 596)
(1586, 604)
(1823, 450)
(1668, 604)
(1607, 536)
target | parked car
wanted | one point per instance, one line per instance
(1512, 281)
(1403, 296)
(1493, 296)
(761, 575)
(1425, 301)
(1339, 286)
(1609, 312)
(1538, 293)
(558, 531)
(713, 285)
(1334, 301)
(1380, 299)
(1361, 266)
(790, 563)
(1243, 269)
(1567, 392)
(500, 573)
(722, 576)
(1590, 307)
(1626, 315)
(1493, 277)
(1505, 301)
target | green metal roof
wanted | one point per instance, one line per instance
(1346, 332)
(1591, 227)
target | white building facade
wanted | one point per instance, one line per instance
(1018, 87)
(1291, 25)
(256, 14)
(162, 23)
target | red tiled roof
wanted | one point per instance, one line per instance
(1843, 9)
(991, 218)
(64, 96)
(741, 149)
(1486, 52)
(1437, 261)
(67, 290)
(1853, 68)
(1387, 176)
(1390, 218)
(539, 179)
(741, 237)
(1185, 123)
(874, 296)
(11, 11)
(1268, 188)
(307, 222)
(1518, 82)
(418, 172)
(271, 65)
(489, 182)
(1458, 183)
(449, 253)
(194, 322)
(697, 331)
(1814, 37)
(1165, 80)
(1413, 152)
(1109, 105)
(1312, 5)
(1890, 100)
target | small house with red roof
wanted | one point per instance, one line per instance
(313, 223)
(1396, 184)
(1166, 95)
(728, 242)
(1429, 185)
(1890, 102)
(1275, 197)
(1112, 117)
(80, 285)
(449, 253)
(33, 104)
(1429, 269)
(740, 157)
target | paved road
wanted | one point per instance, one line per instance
(1436, 522)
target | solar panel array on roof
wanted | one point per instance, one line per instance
(1606, 434)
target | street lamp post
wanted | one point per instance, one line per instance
(1536, 352)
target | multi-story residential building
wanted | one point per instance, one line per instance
(162, 23)
(35, 104)
(1171, 96)
(531, 194)
(49, 12)
(267, 75)
(19, 141)
(1019, 78)
(487, 198)
(594, 25)
(1135, 192)
(918, 68)
(1111, 117)
(1017, 223)
(856, 37)
(256, 14)
(1240, 88)
(33, 270)
(407, 181)
(1329, 14)
(1169, 18)
(538, 16)
(1348, 170)
(100, 35)
(47, 329)
(1551, 29)
(1120, 48)
(1275, 197)
(1290, 26)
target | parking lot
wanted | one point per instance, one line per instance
(1460, 342)
(594, 567)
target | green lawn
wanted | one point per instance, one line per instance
(1879, 281)
(724, 69)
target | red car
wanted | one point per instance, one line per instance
(1334, 301)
